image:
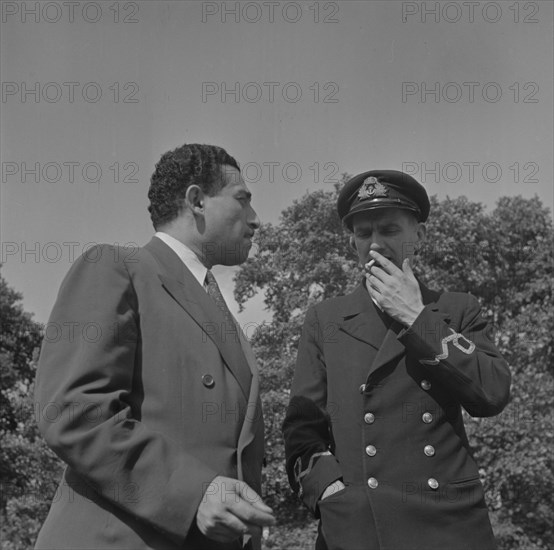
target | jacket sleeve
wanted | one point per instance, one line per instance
(88, 391)
(457, 352)
(310, 464)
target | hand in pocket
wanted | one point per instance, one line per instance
(347, 521)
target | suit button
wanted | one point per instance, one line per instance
(370, 450)
(208, 380)
(369, 418)
(433, 483)
(426, 385)
(427, 418)
(373, 483)
(362, 388)
(429, 450)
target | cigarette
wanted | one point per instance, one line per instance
(370, 264)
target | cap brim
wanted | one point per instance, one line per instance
(379, 204)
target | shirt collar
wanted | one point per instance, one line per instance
(187, 256)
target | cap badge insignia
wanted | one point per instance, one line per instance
(371, 189)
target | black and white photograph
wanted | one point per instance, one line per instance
(276, 275)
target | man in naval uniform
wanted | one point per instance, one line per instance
(374, 434)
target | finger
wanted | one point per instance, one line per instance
(377, 271)
(374, 287)
(226, 528)
(247, 513)
(375, 295)
(248, 494)
(261, 506)
(379, 276)
(408, 271)
(385, 264)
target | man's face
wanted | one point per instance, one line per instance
(392, 232)
(230, 221)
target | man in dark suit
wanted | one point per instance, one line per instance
(149, 392)
(374, 434)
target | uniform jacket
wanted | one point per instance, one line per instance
(380, 407)
(146, 399)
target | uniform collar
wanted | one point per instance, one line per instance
(364, 321)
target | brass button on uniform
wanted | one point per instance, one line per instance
(369, 418)
(433, 483)
(426, 385)
(208, 380)
(427, 418)
(362, 388)
(370, 450)
(373, 483)
(429, 450)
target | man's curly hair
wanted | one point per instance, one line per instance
(191, 164)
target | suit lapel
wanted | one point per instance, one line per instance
(361, 320)
(390, 349)
(429, 296)
(365, 323)
(182, 286)
(249, 427)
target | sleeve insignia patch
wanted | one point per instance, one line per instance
(457, 341)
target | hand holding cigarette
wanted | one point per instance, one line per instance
(395, 290)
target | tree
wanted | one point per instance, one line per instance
(504, 258)
(29, 471)
(19, 338)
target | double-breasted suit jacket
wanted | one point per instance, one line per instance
(380, 407)
(146, 399)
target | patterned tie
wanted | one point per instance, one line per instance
(240, 366)
(213, 290)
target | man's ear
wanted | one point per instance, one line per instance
(352, 241)
(194, 199)
(421, 231)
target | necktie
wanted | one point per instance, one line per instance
(230, 332)
(213, 290)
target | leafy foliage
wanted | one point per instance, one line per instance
(29, 471)
(19, 339)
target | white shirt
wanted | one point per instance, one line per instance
(187, 256)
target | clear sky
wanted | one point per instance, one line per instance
(459, 94)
